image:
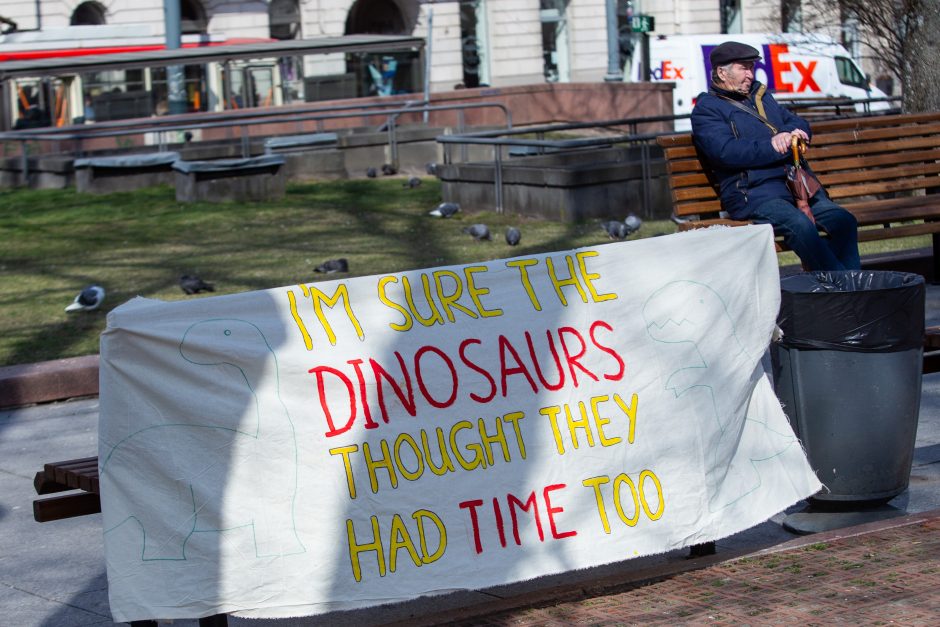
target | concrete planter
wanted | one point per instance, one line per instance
(105, 175)
(416, 148)
(50, 172)
(230, 180)
(568, 186)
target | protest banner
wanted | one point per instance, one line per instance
(367, 440)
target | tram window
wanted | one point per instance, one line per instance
(262, 78)
(193, 83)
(114, 81)
(33, 103)
(385, 74)
(115, 95)
(249, 86)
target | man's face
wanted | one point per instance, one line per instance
(737, 77)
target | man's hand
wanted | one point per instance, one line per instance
(781, 141)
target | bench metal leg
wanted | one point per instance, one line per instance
(701, 550)
(935, 260)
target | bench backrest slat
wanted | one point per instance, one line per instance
(871, 147)
(870, 134)
(873, 161)
(882, 187)
(829, 126)
(910, 170)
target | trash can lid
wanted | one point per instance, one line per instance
(852, 310)
(848, 281)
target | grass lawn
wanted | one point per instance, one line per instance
(55, 242)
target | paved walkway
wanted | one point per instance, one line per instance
(876, 574)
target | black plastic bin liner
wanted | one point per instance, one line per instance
(862, 311)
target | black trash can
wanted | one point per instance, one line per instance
(848, 372)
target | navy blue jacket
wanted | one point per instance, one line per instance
(736, 146)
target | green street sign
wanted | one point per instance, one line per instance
(643, 23)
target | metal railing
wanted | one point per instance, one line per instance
(838, 107)
(244, 123)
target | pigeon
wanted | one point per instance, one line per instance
(478, 231)
(371, 173)
(633, 223)
(194, 285)
(88, 299)
(388, 169)
(513, 235)
(413, 182)
(431, 168)
(333, 265)
(445, 210)
(615, 229)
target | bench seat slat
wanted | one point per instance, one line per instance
(66, 506)
(43, 485)
(78, 479)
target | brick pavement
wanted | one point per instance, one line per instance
(877, 574)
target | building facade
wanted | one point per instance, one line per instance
(472, 42)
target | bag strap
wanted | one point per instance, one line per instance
(759, 103)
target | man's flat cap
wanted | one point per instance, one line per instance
(732, 51)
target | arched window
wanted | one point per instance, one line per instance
(284, 19)
(730, 12)
(378, 17)
(88, 14)
(192, 18)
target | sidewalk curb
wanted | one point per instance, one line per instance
(27, 384)
(649, 575)
(850, 532)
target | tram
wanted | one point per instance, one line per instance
(86, 74)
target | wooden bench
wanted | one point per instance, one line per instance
(75, 484)
(884, 169)
(78, 478)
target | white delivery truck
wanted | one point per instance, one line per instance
(793, 66)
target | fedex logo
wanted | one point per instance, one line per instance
(667, 72)
(773, 68)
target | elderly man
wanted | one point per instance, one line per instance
(745, 137)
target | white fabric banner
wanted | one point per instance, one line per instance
(361, 441)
